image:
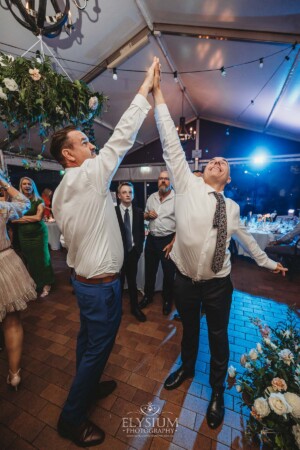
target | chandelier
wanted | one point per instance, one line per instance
(38, 21)
(184, 133)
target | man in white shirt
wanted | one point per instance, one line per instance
(161, 215)
(205, 223)
(85, 214)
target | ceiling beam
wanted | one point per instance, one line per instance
(230, 34)
(120, 55)
(147, 17)
(283, 89)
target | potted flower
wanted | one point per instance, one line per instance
(270, 384)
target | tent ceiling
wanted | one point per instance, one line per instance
(252, 29)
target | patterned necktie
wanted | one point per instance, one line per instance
(127, 226)
(220, 222)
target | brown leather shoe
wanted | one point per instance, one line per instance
(85, 435)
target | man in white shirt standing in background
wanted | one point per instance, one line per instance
(161, 215)
(205, 222)
(85, 214)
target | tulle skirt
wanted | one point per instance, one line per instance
(16, 286)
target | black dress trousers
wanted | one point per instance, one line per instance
(216, 296)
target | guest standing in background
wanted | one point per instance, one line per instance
(161, 215)
(33, 238)
(16, 286)
(131, 223)
(47, 197)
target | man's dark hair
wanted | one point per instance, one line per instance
(125, 183)
(59, 141)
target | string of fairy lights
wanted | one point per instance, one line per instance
(224, 70)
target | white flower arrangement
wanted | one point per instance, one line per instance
(270, 385)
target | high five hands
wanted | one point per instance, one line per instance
(148, 83)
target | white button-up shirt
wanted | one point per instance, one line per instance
(83, 206)
(164, 224)
(195, 207)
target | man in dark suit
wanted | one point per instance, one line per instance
(131, 222)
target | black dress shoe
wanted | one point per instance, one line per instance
(167, 307)
(145, 302)
(86, 434)
(138, 314)
(177, 317)
(177, 378)
(105, 388)
(215, 411)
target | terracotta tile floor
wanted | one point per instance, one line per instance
(142, 357)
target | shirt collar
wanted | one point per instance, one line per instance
(171, 195)
(124, 207)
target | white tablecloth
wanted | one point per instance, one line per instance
(53, 235)
(263, 238)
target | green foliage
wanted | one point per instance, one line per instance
(33, 93)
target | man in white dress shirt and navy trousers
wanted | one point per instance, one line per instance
(205, 222)
(84, 211)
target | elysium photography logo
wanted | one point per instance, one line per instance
(148, 421)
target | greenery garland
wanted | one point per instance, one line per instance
(32, 93)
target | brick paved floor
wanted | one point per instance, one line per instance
(142, 357)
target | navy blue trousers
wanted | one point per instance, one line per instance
(100, 317)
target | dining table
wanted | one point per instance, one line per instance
(53, 235)
(262, 237)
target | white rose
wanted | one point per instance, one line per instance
(248, 365)
(287, 356)
(259, 347)
(296, 433)
(294, 401)
(238, 388)
(231, 371)
(261, 406)
(267, 341)
(10, 84)
(93, 103)
(2, 94)
(273, 346)
(59, 110)
(253, 354)
(279, 404)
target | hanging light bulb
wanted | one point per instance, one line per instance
(261, 63)
(223, 71)
(175, 76)
(182, 130)
(115, 75)
(38, 57)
